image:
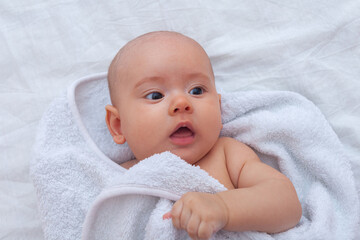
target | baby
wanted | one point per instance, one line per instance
(163, 96)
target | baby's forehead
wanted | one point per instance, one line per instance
(154, 42)
(149, 43)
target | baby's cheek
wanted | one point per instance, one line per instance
(212, 119)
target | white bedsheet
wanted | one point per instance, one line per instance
(310, 47)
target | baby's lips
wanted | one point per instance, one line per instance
(183, 125)
(182, 132)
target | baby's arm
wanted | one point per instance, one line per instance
(263, 199)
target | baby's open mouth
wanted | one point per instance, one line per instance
(183, 135)
(182, 132)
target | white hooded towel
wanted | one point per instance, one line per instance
(84, 193)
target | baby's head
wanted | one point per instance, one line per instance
(163, 96)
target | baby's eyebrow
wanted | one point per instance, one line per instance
(191, 76)
(149, 79)
(198, 75)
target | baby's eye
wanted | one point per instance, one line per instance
(196, 91)
(154, 96)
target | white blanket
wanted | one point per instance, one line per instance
(82, 192)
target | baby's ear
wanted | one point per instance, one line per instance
(113, 123)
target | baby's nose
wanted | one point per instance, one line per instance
(180, 105)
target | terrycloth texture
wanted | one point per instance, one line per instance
(75, 178)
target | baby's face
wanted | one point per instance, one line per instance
(167, 100)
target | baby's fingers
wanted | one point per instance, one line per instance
(205, 231)
(192, 227)
(185, 217)
(176, 213)
(167, 216)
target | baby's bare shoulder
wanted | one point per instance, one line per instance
(229, 143)
(224, 141)
(234, 151)
(237, 154)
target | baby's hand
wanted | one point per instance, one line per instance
(200, 214)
